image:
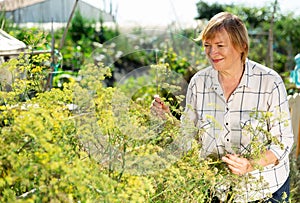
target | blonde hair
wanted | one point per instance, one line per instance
(235, 28)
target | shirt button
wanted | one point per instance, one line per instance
(227, 108)
(226, 123)
(227, 140)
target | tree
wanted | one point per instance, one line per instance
(206, 11)
(80, 27)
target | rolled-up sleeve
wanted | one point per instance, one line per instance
(281, 126)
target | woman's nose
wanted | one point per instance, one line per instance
(213, 50)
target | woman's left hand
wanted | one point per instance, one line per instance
(237, 164)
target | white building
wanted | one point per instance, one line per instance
(44, 11)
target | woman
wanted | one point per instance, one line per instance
(231, 90)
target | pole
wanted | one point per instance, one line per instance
(271, 37)
(68, 24)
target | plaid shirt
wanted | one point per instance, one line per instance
(223, 123)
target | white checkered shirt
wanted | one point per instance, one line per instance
(260, 89)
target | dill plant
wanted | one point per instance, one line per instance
(88, 142)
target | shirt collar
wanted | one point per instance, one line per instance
(247, 79)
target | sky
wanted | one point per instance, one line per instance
(164, 12)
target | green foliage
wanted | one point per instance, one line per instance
(34, 38)
(42, 157)
(79, 42)
(295, 181)
(28, 75)
(254, 17)
(178, 64)
(191, 179)
(5, 24)
(87, 142)
(206, 11)
(80, 27)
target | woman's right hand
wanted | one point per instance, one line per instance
(159, 108)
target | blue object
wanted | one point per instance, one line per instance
(295, 74)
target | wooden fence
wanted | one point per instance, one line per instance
(294, 102)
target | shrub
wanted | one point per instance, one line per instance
(91, 143)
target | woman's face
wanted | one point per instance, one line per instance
(221, 53)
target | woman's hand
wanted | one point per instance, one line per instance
(159, 108)
(238, 165)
